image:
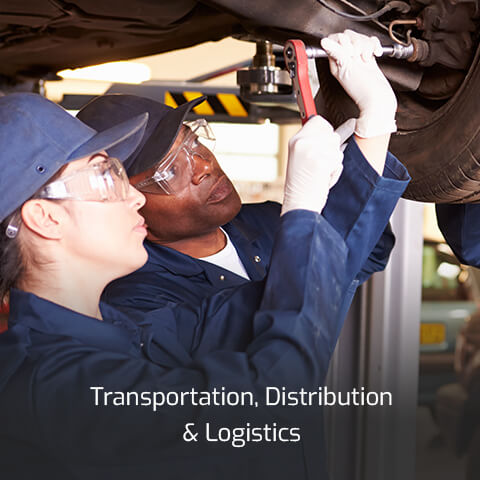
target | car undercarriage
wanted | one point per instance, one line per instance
(438, 115)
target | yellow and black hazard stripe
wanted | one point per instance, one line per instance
(228, 104)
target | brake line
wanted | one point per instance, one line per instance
(402, 6)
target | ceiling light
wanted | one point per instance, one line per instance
(123, 72)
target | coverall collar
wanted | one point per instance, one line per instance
(241, 234)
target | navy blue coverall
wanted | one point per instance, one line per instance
(360, 198)
(460, 225)
(51, 357)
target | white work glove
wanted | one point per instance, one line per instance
(314, 166)
(352, 63)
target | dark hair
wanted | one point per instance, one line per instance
(11, 261)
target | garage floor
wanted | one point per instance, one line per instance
(435, 460)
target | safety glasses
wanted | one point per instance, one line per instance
(103, 180)
(174, 172)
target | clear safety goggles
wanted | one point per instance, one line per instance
(174, 172)
(103, 180)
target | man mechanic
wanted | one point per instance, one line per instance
(201, 239)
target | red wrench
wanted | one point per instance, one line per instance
(296, 59)
(297, 64)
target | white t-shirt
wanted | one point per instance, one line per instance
(228, 258)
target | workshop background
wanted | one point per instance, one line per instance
(254, 156)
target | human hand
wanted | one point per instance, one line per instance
(314, 166)
(353, 64)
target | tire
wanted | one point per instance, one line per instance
(438, 141)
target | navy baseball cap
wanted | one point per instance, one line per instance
(164, 123)
(38, 137)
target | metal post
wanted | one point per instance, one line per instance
(393, 352)
(379, 350)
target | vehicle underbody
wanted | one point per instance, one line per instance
(438, 116)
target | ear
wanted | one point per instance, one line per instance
(44, 217)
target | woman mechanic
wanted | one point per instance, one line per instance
(70, 225)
